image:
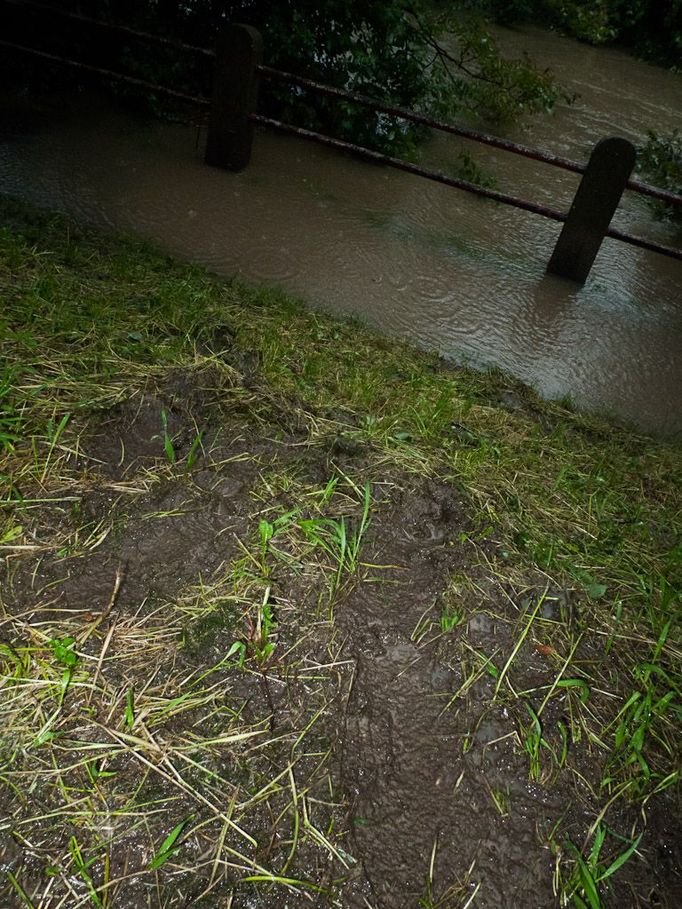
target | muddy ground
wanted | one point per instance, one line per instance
(387, 764)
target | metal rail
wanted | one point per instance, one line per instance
(440, 177)
(330, 91)
(673, 252)
(108, 74)
(358, 150)
(484, 138)
(410, 168)
(90, 20)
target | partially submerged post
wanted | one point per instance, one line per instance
(239, 53)
(595, 202)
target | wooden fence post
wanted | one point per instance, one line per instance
(595, 202)
(239, 52)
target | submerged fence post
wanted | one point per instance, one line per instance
(595, 202)
(239, 52)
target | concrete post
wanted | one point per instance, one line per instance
(239, 52)
(595, 202)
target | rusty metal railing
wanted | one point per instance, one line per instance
(270, 72)
(107, 73)
(404, 113)
(440, 177)
(244, 115)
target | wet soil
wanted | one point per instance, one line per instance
(414, 790)
(441, 789)
(427, 785)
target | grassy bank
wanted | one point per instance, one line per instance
(242, 541)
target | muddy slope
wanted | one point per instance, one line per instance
(427, 786)
(417, 797)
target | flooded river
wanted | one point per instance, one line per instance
(452, 272)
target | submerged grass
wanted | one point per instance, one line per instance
(113, 746)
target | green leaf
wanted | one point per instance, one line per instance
(192, 454)
(595, 851)
(19, 890)
(82, 868)
(621, 860)
(492, 669)
(168, 446)
(596, 591)
(129, 713)
(576, 683)
(589, 885)
(12, 534)
(94, 772)
(168, 848)
(237, 647)
(61, 648)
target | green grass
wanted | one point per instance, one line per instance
(575, 501)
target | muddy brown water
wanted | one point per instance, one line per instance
(450, 271)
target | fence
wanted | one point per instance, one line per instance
(239, 68)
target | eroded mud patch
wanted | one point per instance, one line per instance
(446, 806)
(420, 773)
(360, 726)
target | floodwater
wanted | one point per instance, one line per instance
(452, 272)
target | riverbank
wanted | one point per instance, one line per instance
(294, 614)
(450, 272)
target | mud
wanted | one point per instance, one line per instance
(430, 790)
(422, 773)
(413, 789)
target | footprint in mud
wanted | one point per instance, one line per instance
(410, 784)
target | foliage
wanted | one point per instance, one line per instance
(651, 27)
(591, 871)
(660, 160)
(390, 50)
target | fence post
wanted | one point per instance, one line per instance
(595, 202)
(239, 52)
